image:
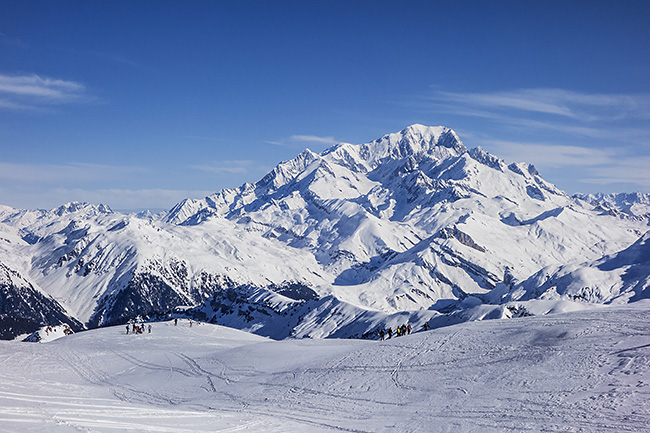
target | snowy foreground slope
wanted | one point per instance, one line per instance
(340, 243)
(587, 371)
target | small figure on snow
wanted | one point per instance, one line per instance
(149, 329)
(127, 329)
(175, 321)
(381, 335)
(426, 326)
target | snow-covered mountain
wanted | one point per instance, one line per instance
(632, 205)
(411, 222)
(617, 278)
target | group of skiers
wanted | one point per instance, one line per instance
(141, 328)
(66, 330)
(190, 320)
(399, 331)
(138, 329)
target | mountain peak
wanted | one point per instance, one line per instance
(76, 206)
(437, 142)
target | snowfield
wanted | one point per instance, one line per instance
(584, 371)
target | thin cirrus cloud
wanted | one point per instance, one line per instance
(623, 170)
(226, 167)
(578, 106)
(552, 155)
(296, 140)
(312, 139)
(24, 92)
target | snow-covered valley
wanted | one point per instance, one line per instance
(584, 371)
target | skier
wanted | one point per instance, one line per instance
(390, 333)
(381, 335)
(408, 329)
(426, 326)
(149, 329)
(127, 329)
(175, 321)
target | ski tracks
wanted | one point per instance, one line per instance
(92, 373)
(409, 355)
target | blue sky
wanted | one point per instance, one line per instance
(139, 104)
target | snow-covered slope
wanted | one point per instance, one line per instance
(631, 205)
(411, 221)
(586, 371)
(617, 278)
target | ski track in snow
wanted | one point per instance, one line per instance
(585, 371)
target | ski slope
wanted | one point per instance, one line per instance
(584, 371)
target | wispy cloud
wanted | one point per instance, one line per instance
(521, 100)
(300, 141)
(24, 92)
(556, 102)
(551, 155)
(227, 167)
(628, 170)
(312, 139)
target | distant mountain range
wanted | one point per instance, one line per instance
(412, 226)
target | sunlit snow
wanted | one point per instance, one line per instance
(586, 371)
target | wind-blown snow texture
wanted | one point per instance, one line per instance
(586, 371)
(341, 244)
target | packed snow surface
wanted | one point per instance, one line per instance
(584, 371)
